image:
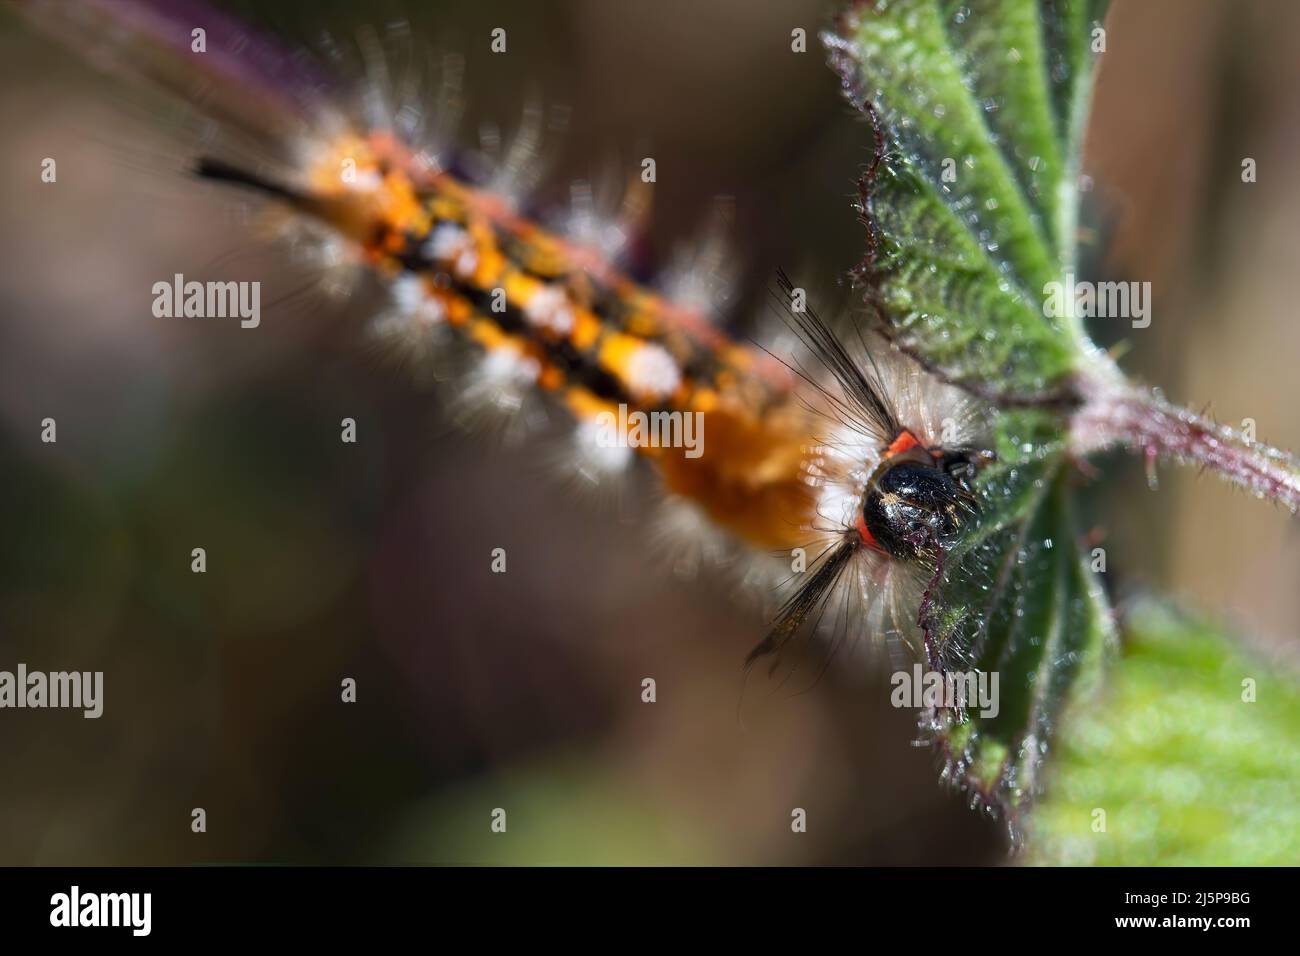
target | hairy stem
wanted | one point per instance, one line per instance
(1117, 413)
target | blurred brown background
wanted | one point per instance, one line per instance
(522, 690)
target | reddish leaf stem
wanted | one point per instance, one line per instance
(1116, 413)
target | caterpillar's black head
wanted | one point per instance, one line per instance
(918, 500)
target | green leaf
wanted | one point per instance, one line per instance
(972, 204)
(1017, 601)
(1186, 771)
(970, 207)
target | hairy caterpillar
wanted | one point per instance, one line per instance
(830, 443)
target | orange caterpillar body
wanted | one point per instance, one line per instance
(792, 448)
(577, 328)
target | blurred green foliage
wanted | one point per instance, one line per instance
(1187, 772)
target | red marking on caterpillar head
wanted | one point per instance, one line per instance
(904, 442)
(867, 537)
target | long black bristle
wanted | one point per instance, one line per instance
(221, 171)
(863, 392)
(808, 600)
